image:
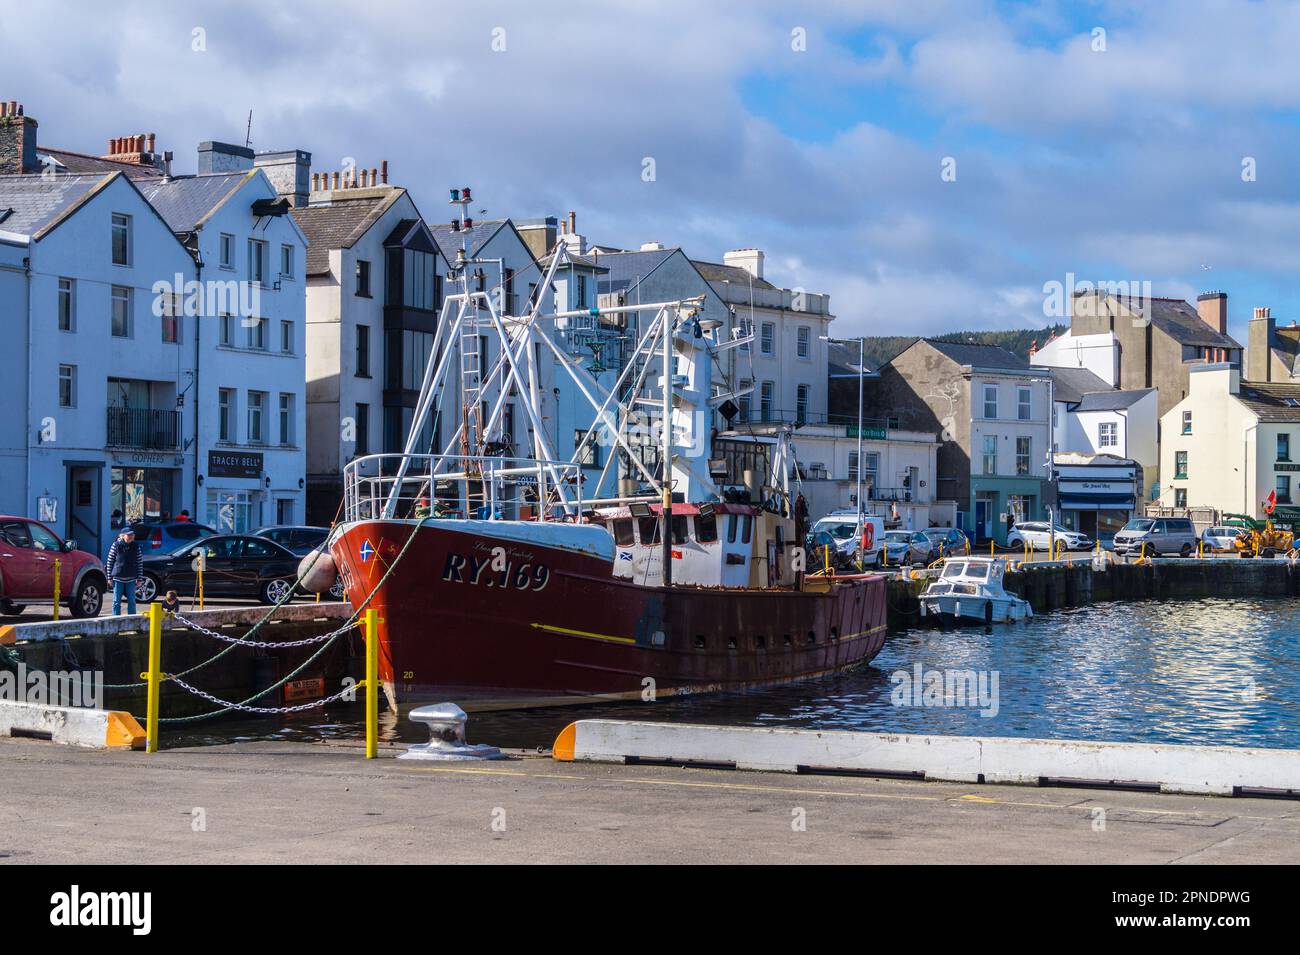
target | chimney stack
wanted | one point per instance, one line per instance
(17, 140)
(751, 260)
(1212, 307)
(290, 173)
(224, 157)
(1260, 340)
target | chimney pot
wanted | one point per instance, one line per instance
(20, 109)
(383, 171)
(374, 176)
(336, 179)
(573, 221)
(13, 107)
(152, 140)
(4, 109)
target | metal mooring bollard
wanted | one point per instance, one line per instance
(446, 736)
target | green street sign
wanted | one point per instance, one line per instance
(879, 433)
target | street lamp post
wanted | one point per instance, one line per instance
(862, 356)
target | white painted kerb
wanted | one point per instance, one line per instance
(1186, 769)
(70, 725)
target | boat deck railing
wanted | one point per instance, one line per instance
(406, 486)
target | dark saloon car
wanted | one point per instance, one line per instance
(302, 540)
(238, 565)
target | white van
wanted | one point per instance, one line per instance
(836, 530)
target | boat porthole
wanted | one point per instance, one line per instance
(760, 642)
(731, 643)
(812, 636)
(788, 641)
(699, 641)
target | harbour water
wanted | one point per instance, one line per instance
(1201, 672)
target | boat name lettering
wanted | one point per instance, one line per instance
(473, 569)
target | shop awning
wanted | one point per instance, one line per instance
(1097, 502)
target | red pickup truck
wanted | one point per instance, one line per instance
(28, 550)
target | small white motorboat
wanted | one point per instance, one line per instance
(969, 590)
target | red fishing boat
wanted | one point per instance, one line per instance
(507, 581)
(552, 622)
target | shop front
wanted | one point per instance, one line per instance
(234, 495)
(1098, 495)
(998, 503)
(143, 486)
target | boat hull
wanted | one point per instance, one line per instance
(967, 610)
(550, 624)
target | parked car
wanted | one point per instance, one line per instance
(838, 530)
(1157, 535)
(1221, 539)
(163, 537)
(946, 542)
(28, 550)
(238, 565)
(904, 548)
(1038, 535)
(302, 540)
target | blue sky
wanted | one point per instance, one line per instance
(816, 133)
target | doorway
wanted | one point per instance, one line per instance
(83, 513)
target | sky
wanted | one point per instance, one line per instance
(932, 165)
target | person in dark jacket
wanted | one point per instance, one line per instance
(124, 565)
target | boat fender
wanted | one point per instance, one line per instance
(988, 611)
(318, 572)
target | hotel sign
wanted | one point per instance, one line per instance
(879, 434)
(235, 464)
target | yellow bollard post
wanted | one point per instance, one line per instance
(372, 684)
(826, 554)
(58, 573)
(200, 576)
(154, 676)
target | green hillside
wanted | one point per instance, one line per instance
(881, 348)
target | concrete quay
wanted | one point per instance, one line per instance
(321, 803)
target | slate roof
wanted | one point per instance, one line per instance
(82, 163)
(1112, 400)
(716, 272)
(627, 269)
(185, 202)
(338, 224)
(1269, 400)
(1071, 384)
(979, 356)
(1180, 321)
(479, 235)
(30, 204)
(842, 361)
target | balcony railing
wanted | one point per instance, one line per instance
(143, 428)
(757, 415)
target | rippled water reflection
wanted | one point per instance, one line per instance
(1204, 671)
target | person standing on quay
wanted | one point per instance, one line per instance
(124, 565)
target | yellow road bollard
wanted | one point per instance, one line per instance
(58, 574)
(372, 684)
(154, 676)
(200, 575)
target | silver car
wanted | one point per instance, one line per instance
(1157, 535)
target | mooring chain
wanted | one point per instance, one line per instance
(300, 708)
(266, 644)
